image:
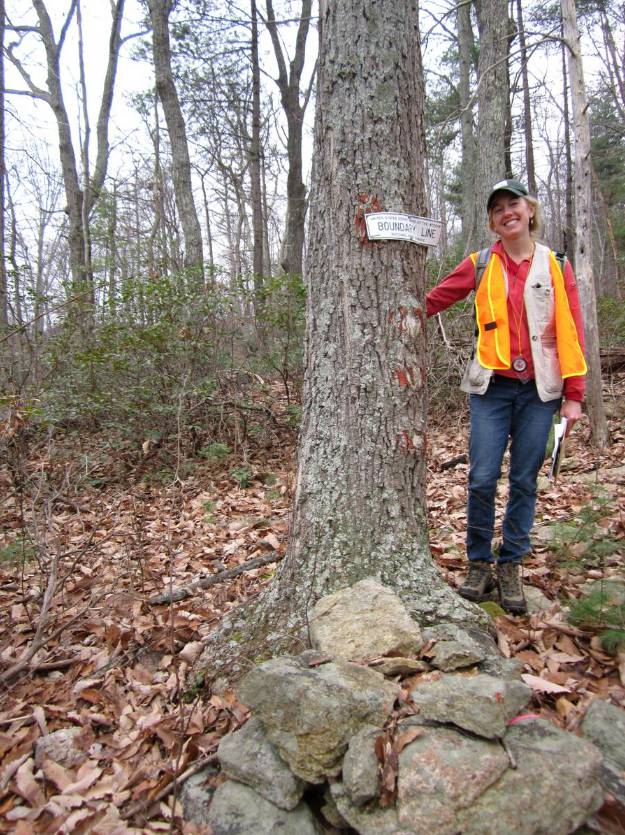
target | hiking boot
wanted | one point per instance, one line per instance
(510, 584)
(479, 583)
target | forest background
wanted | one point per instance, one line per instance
(154, 180)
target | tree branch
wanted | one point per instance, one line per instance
(102, 127)
(175, 595)
(33, 91)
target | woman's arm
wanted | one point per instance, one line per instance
(455, 286)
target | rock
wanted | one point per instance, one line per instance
(457, 647)
(310, 714)
(503, 667)
(450, 783)
(481, 704)
(366, 820)
(553, 789)
(68, 747)
(399, 666)
(536, 601)
(249, 757)
(454, 655)
(613, 590)
(238, 810)
(361, 768)
(441, 773)
(604, 725)
(363, 622)
(330, 811)
(614, 474)
(196, 794)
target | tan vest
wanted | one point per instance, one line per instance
(545, 303)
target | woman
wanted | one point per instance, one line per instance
(528, 361)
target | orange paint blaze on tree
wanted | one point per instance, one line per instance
(402, 377)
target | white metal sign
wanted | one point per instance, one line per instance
(396, 226)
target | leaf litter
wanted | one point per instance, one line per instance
(116, 669)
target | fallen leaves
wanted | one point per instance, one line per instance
(114, 666)
(117, 669)
(542, 685)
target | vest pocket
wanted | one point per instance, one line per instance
(541, 304)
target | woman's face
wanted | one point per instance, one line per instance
(510, 216)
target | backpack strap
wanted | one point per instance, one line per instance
(561, 259)
(480, 264)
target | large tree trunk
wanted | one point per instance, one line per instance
(583, 208)
(181, 164)
(493, 104)
(360, 496)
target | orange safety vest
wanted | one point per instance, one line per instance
(493, 328)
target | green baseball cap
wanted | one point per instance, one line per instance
(513, 186)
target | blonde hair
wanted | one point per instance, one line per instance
(536, 221)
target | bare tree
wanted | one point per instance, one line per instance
(255, 152)
(493, 103)
(294, 104)
(181, 171)
(583, 208)
(80, 198)
(470, 217)
(527, 109)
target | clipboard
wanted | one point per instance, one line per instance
(559, 445)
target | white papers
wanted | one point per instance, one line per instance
(557, 456)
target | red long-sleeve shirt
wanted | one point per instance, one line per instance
(461, 281)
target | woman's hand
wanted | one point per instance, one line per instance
(572, 411)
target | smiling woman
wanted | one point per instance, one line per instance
(528, 355)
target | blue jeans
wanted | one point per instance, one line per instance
(509, 409)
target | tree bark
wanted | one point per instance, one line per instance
(583, 209)
(181, 164)
(256, 196)
(507, 142)
(360, 493)
(4, 307)
(493, 104)
(568, 238)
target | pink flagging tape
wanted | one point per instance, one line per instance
(524, 717)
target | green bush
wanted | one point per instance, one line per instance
(215, 452)
(171, 359)
(242, 475)
(602, 610)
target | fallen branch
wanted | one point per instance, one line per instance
(453, 462)
(205, 582)
(144, 803)
(39, 639)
